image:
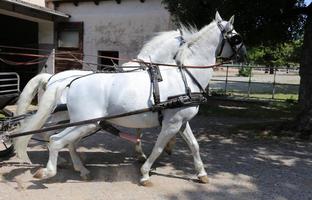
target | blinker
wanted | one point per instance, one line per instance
(235, 39)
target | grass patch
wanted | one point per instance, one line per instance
(259, 95)
(2, 116)
(274, 110)
(279, 96)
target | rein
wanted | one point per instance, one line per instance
(46, 56)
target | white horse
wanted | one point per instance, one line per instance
(161, 48)
(102, 95)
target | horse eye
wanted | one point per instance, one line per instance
(236, 40)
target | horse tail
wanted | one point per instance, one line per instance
(45, 108)
(29, 92)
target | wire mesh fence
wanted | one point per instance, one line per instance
(280, 83)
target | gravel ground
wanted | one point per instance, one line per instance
(238, 167)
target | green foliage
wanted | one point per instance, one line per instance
(244, 71)
(261, 22)
(283, 54)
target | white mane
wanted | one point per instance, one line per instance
(199, 43)
(164, 40)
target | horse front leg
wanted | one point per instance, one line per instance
(191, 141)
(168, 130)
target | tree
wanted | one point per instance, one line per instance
(304, 119)
(266, 23)
(283, 54)
(261, 22)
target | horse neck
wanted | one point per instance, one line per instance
(202, 52)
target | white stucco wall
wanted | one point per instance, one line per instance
(46, 41)
(118, 27)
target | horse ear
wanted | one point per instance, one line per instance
(231, 21)
(218, 17)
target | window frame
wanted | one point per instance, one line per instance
(71, 27)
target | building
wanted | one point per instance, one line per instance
(116, 28)
(84, 29)
(27, 24)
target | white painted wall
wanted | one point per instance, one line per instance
(118, 27)
(37, 2)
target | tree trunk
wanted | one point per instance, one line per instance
(304, 119)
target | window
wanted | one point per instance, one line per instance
(106, 62)
(68, 39)
(70, 35)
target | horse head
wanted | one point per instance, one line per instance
(218, 39)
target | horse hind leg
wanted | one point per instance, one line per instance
(170, 145)
(77, 163)
(191, 141)
(58, 142)
(138, 147)
(36, 121)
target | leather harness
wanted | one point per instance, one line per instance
(189, 98)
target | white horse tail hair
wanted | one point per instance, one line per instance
(45, 108)
(30, 91)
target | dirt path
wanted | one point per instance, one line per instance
(238, 167)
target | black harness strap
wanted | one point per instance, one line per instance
(155, 76)
(69, 84)
(195, 80)
(187, 88)
(154, 80)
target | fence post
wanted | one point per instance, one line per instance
(53, 61)
(226, 79)
(249, 82)
(274, 82)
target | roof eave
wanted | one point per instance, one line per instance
(32, 10)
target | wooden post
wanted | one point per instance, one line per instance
(226, 79)
(274, 82)
(53, 61)
(249, 82)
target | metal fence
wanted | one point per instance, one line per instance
(9, 83)
(280, 84)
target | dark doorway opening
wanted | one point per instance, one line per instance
(112, 59)
(20, 33)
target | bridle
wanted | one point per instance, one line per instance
(234, 39)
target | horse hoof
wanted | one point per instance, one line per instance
(146, 183)
(203, 179)
(39, 174)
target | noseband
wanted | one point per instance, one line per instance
(233, 39)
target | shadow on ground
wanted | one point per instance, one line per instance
(239, 167)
